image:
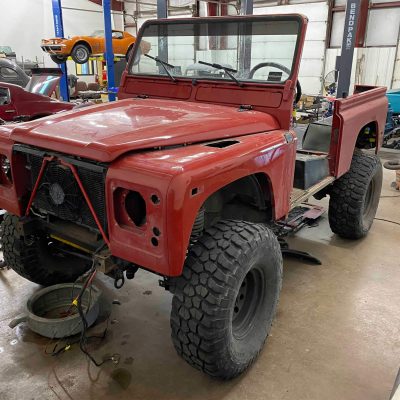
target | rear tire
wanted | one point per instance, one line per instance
(80, 53)
(32, 259)
(354, 197)
(226, 298)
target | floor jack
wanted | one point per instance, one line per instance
(304, 215)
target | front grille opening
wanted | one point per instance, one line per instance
(59, 195)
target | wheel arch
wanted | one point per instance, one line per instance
(249, 198)
(84, 42)
(366, 138)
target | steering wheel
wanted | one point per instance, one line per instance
(278, 66)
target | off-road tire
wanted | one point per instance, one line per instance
(58, 59)
(30, 257)
(354, 197)
(215, 328)
(80, 53)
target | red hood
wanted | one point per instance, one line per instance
(106, 131)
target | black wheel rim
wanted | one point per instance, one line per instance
(248, 302)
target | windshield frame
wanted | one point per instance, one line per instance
(300, 19)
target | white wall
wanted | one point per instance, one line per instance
(26, 22)
(313, 59)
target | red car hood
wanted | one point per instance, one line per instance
(104, 132)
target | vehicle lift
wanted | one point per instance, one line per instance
(109, 54)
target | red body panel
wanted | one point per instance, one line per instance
(172, 174)
(107, 131)
(350, 116)
(32, 105)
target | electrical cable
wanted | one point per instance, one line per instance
(82, 340)
(83, 337)
(388, 220)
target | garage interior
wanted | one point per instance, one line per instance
(336, 330)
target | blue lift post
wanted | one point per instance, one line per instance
(59, 31)
(109, 50)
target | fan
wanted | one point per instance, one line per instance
(330, 82)
(59, 192)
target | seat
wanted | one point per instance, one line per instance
(318, 136)
(93, 86)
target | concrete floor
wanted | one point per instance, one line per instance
(336, 334)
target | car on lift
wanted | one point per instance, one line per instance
(187, 175)
(80, 48)
(34, 101)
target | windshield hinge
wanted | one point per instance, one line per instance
(245, 107)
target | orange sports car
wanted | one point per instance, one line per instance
(81, 47)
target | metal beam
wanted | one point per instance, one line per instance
(109, 56)
(162, 13)
(162, 9)
(246, 7)
(59, 32)
(349, 40)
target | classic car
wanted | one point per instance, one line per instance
(34, 101)
(81, 47)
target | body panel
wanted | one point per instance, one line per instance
(107, 131)
(31, 105)
(350, 116)
(172, 174)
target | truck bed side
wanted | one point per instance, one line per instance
(367, 107)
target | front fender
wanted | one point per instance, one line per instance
(183, 178)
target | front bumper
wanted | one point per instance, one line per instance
(53, 48)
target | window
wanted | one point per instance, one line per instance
(4, 96)
(261, 50)
(8, 72)
(85, 69)
(117, 35)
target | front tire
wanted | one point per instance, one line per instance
(32, 258)
(354, 197)
(80, 53)
(226, 298)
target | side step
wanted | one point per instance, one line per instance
(299, 196)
